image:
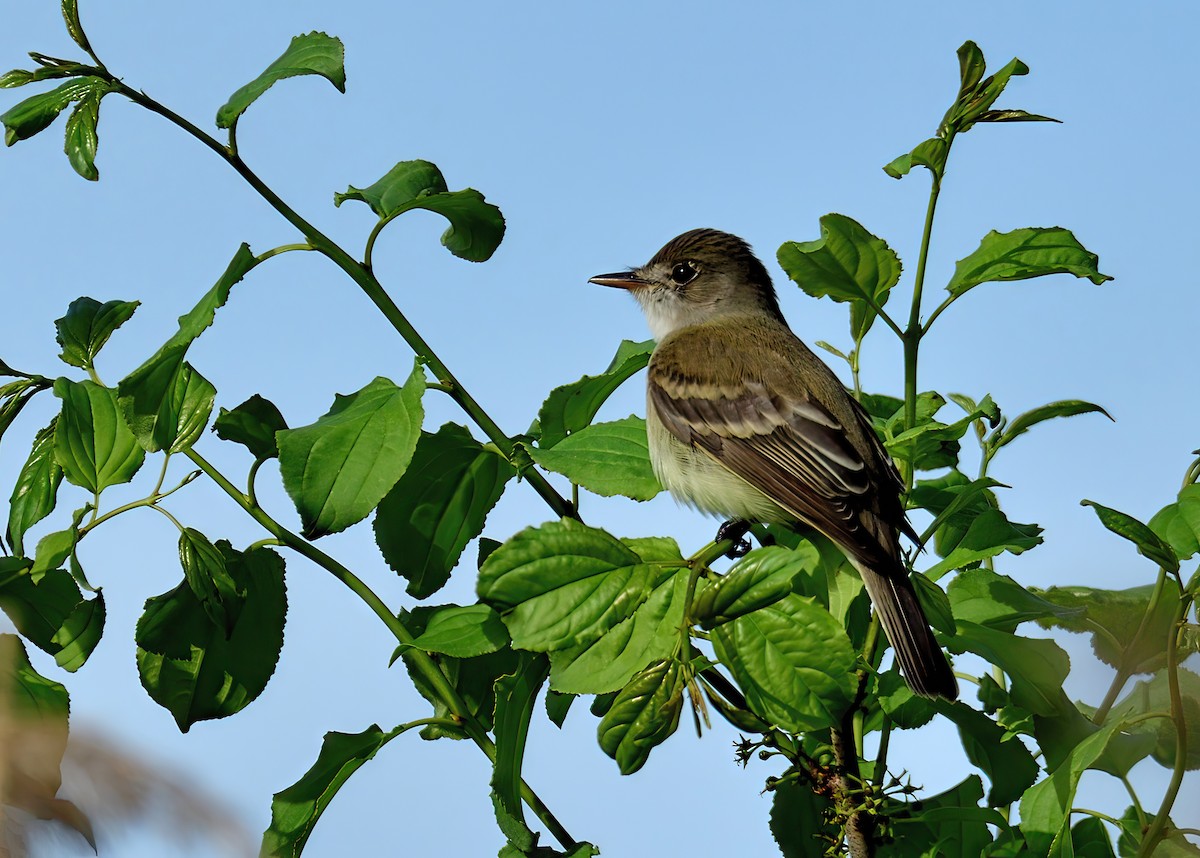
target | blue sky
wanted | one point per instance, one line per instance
(601, 132)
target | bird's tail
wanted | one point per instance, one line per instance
(921, 659)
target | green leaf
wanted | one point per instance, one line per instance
(950, 824)
(605, 458)
(190, 666)
(438, 505)
(1178, 523)
(14, 396)
(252, 424)
(793, 662)
(34, 114)
(563, 584)
(934, 603)
(930, 154)
(152, 396)
(1148, 543)
(476, 226)
(1036, 667)
(643, 715)
(999, 602)
(573, 406)
(79, 633)
(976, 96)
(39, 608)
(1064, 408)
(989, 534)
(516, 695)
(800, 817)
(81, 138)
(1113, 618)
(1173, 844)
(907, 710)
(312, 53)
(86, 327)
(1025, 253)
(70, 13)
(610, 661)
(463, 632)
(91, 442)
(52, 551)
(994, 751)
(557, 706)
(36, 490)
(205, 571)
(338, 469)
(1045, 808)
(761, 578)
(936, 444)
(296, 810)
(1089, 839)
(847, 263)
(1153, 695)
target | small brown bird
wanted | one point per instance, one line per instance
(746, 423)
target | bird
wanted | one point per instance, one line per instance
(746, 423)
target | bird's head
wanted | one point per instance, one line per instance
(696, 277)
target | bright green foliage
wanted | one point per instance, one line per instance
(780, 643)
(313, 53)
(476, 226)
(605, 458)
(438, 505)
(197, 669)
(338, 469)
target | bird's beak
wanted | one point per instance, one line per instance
(621, 280)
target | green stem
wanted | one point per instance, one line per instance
(149, 500)
(1098, 815)
(1135, 801)
(283, 248)
(885, 736)
(371, 286)
(424, 665)
(1155, 833)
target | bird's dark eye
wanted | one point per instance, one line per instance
(683, 273)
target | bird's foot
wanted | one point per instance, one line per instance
(735, 530)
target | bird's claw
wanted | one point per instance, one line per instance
(735, 531)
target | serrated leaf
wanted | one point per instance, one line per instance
(997, 601)
(91, 442)
(70, 13)
(39, 608)
(761, 578)
(1036, 667)
(79, 633)
(563, 584)
(296, 810)
(252, 424)
(463, 631)
(195, 670)
(149, 394)
(998, 754)
(573, 406)
(800, 817)
(339, 468)
(438, 505)
(847, 263)
(990, 533)
(1113, 618)
(610, 661)
(86, 327)
(1178, 523)
(643, 715)
(476, 226)
(36, 113)
(793, 662)
(605, 458)
(313, 53)
(52, 551)
(206, 573)
(1025, 253)
(1148, 543)
(1065, 408)
(82, 139)
(35, 492)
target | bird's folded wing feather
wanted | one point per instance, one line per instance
(788, 447)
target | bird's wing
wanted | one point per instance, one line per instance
(791, 448)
